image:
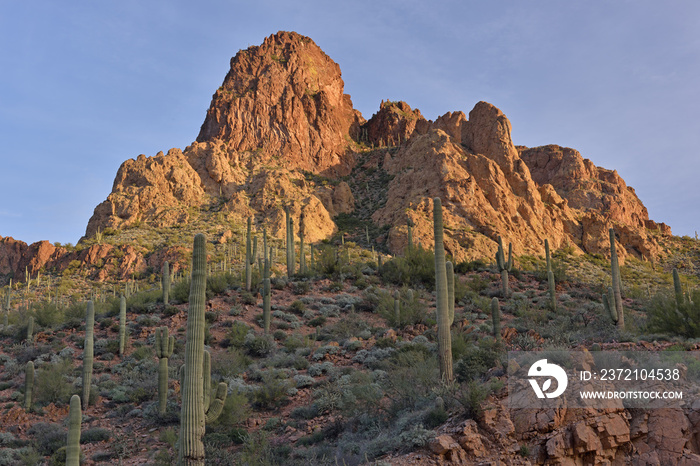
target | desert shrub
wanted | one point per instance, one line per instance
(217, 284)
(664, 315)
(272, 392)
(235, 336)
(47, 314)
(415, 268)
(142, 302)
(412, 311)
(94, 435)
(477, 360)
(180, 292)
(259, 346)
(297, 307)
(51, 384)
(47, 437)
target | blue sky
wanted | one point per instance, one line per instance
(86, 85)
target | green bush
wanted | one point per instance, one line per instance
(412, 311)
(416, 268)
(51, 385)
(664, 315)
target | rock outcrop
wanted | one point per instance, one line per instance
(280, 131)
(490, 188)
(285, 99)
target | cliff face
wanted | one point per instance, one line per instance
(285, 99)
(280, 123)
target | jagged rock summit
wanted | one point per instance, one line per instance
(280, 130)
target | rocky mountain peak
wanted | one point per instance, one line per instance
(285, 99)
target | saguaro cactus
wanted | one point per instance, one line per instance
(552, 290)
(397, 308)
(616, 281)
(88, 351)
(165, 279)
(547, 256)
(504, 266)
(290, 242)
(122, 325)
(73, 443)
(250, 252)
(444, 337)
(677, 287)
(194, 414)
(191, 451)
(302, 256)
(30, 329)
(496, 318)
(450, 271)
(609, 303)
(267, 290)
(28, 385)
(213, 400)
(409, 239)
(164, 349)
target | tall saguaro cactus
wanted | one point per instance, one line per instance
(450, 270)
(302, 256)
(191, 451)
(164, 349)
(496, 318)
(397, 308)
(122, 325)
(251, 250)
(615, 266)
(678, 289)
(165, 280)
(73, 444)
(88, 351)
(504, 266)
(444, 337)
(267, 289)
(197, 404)
(28, 385)
(290, 242)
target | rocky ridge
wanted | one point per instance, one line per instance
(280, 130)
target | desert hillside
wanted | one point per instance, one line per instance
(318, 297)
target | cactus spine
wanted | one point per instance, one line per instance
(164, 349)
(73, 444)
(616, 281)
(250, 252)
(28, 385)
(496, 318)
(450, 271)
(88, 351)
(166, 282)
(504, 266)
(122, 325)
(444, 337)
